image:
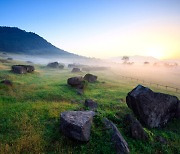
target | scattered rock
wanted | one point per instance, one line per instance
(90, 104)
(55, 65)
(152, 109)
(9, 58)
(178, 111)
(135, 129)
(90, 78)
(76, 70)
(77, 82)
(77, 124)
(71, 65)
(120, 143)
(29, 62)
(161, 140)
(7, 82)
(22, 69)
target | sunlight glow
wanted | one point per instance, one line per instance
(157, 52)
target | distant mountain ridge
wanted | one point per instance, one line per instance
(15, 40)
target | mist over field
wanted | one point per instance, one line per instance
(159, 74)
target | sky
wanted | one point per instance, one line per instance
(100, 28)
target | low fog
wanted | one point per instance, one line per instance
(166, 72)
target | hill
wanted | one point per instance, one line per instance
(15, 40)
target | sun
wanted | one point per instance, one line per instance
(155, 52)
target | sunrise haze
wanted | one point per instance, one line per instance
(103, 28)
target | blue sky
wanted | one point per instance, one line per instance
(100, 28)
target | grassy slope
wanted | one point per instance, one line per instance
(29, 114)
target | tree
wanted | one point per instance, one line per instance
(125, 59)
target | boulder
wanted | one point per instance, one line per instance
(90, 104)
(77, 82)
(178, 111)
(55, 65)
(90, 78)
(135, 129)
(22, 69)
(9, 58)
(29, 62)
(76, 124)
(118, 140)
(29, 68)
(7, 82)
(161, 139)
(151, 108)
(61, 66)
(76, 70)
(71, 65)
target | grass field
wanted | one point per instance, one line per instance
(30, 111)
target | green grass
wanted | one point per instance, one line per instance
(30, 111)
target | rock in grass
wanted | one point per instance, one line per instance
(55, 65)
(29, 62)
(118, 140)
(7, 82)
(77, 124)
(135, 129)
(77, 82)
(90, 77)
(9, 58)
(22, 69)
(76, 70)
(151, 108)
(92, 105)
(178, 111)
(161, 139)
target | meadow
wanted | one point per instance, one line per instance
(30, 112)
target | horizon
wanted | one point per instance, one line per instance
(101, 29)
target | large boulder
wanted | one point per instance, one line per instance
(55, 65)
(92, 105)
(22, 69)
(151, 108)
(77, 124)
(118, 140)
(77, 82)
(135, 129)
(76, 70)
(90, 77)
(178, 111)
